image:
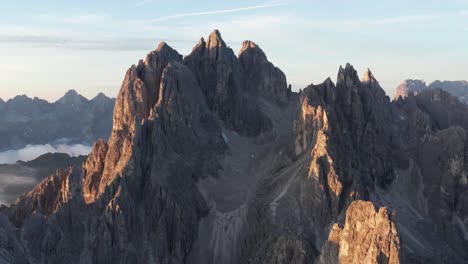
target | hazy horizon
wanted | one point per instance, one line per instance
(53, 47)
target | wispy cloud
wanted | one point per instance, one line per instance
(101, 44)
(215, 12)
(31, 152)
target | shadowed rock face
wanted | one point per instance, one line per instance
(262, 76)
(225, 85)
(211, 160)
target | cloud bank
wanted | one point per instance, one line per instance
(11, 186)
(31, 152)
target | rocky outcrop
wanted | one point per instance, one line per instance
(93, 169)
(368, 236)
(349, 118)
(262, 76)
(48, 196)
(224, 83)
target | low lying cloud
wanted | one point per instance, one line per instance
(11, 186)
(31, 152)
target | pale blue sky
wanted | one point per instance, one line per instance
(48, 47)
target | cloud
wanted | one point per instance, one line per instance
(31, 152)
(213, 12)
(102, 44)
(12, 185)
(103, 32)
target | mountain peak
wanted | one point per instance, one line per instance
(163, 46)
(328, 81)
(72, 97)
(20, 98)
(248, 44)
(251, 52)
(368, 76)
(347, 75)
(71, 94)
(410, 87)
(100, 97)
(215, 40)
(162, 51)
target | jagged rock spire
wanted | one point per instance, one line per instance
(368, 76)
(224, 83)
(347, 76)
(215, 40)
(251, 51)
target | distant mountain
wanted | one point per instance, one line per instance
(456, 88)
(72, 118)
(408, 87)
(413, 87)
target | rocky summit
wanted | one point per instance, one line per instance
(212, 159)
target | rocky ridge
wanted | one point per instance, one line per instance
(212, 160)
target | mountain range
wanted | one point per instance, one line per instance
(213, 159)
(71, 119)
(413, 87)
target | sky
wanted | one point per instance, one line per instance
(50, 46)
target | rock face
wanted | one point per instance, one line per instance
(34, 121)
(225, 85)
(48, 196)
(213, 160)
(262, 76)
(368, 236)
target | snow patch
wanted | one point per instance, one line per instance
(225, 138)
